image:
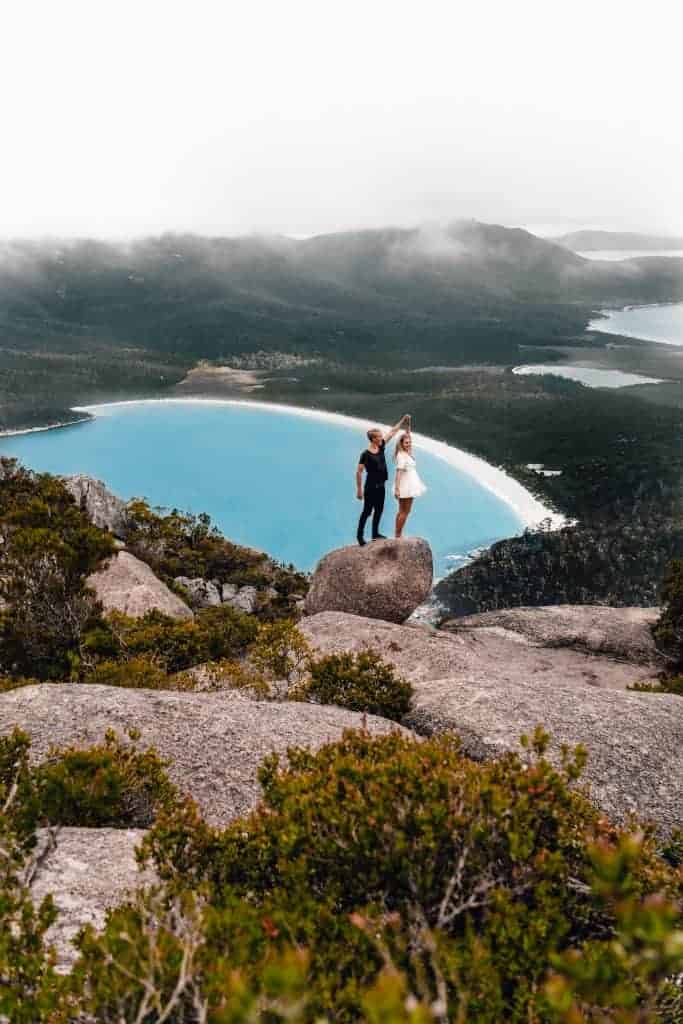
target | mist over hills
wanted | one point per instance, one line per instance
(469, 292)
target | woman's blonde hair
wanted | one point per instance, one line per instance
(399, 444)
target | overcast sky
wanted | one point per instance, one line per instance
(300, 116)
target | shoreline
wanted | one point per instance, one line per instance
(48, 426)
(605, 315)
(530, 511)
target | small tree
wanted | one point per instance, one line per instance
(668, 630)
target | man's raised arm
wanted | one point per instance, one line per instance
(403, 422)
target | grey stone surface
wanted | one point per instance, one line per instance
(228, 591)
(385, 580)
(202, 593)
(104, 509)
(621, 633)
(244, 600)
(88, 871)
(214, 742)
(490, 689)
(126, 584)
(421, 653)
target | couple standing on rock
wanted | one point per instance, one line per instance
(407, 484)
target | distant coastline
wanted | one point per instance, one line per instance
(530, 511)
(48, 426)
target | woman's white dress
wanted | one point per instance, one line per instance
(408, 483)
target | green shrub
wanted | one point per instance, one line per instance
(135, 673)
(668, 684)
(467, 878)
(111, 784)
(629, 977)
(668, 630)
(280, 652)
(8, 683)
(48, 549)
(361, 682)
(383, 880)
(172, 646)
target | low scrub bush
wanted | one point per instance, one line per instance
(668, 630)
(361, 682)
(471, 881)
(172, 646)
(48, 549)
(667, 684)
(136, 673)
(280, 652)
(383, 880)
(8, 683)
(112, 784)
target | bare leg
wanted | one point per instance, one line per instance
(404, 507)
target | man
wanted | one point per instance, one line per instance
(374, 463)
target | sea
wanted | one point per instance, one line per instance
(269, 478)
(662, 323)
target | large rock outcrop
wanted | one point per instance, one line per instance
(87, 871)
(386, 579)
(214, 742)
(622, 633)
(127, 585)
(103, 508)
(491, 688)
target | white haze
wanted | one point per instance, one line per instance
(125, 118)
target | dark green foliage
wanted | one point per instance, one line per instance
(48, 547)
(390, 848)
(383, 880)
(618, 563)
(215, 633)
(629, 978)
(138, 673)
(361, 682)
(113, 784)
(668, 631)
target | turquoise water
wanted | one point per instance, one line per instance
(649, 323)
(586, 375)
(269, 479)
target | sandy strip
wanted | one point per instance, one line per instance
(49, 426)
(530, 511)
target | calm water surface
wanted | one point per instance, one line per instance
(650, 323)
(586, 375)
(269, 479)
(614, 255)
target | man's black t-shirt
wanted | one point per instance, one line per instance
(375, 467)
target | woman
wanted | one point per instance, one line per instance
(407, 485)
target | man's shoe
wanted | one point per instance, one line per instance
(361, 541)
(379, 536)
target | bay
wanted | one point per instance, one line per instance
(591, 377)
(662, 323)
(268, 478)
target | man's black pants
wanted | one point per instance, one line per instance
(373, 505)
